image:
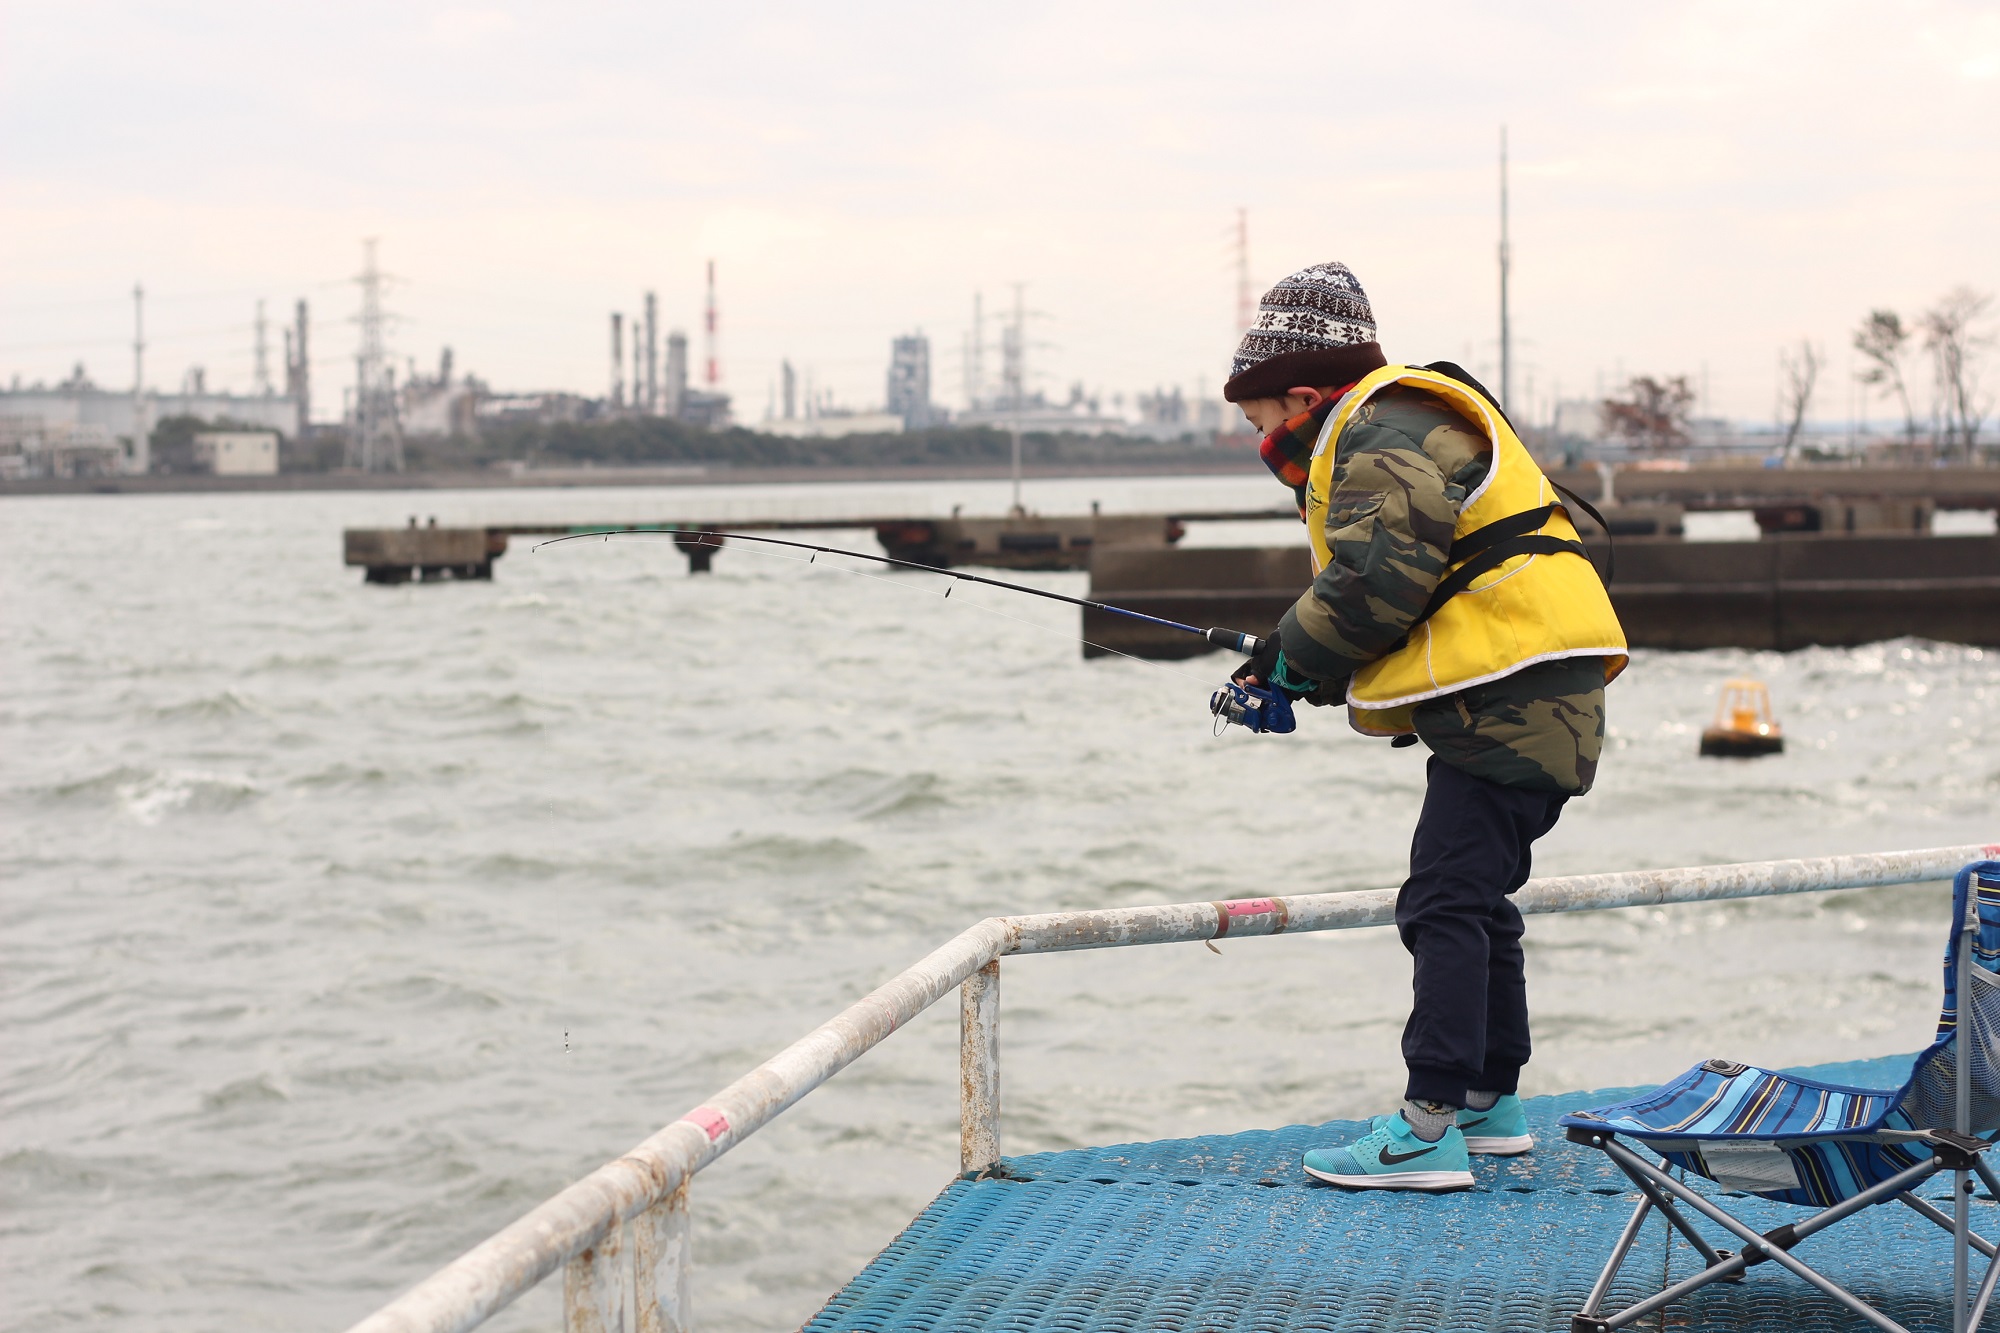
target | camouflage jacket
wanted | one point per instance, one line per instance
(1402, 468)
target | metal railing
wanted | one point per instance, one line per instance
(638, 1204)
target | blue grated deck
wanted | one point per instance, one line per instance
(1225, 1233)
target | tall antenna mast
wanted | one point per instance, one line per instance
(1014, 359)
(1506, 262)
(141, 439)
(1246, 302)
(377, 445)
(714, 371)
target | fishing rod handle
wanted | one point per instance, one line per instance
(1233, 641)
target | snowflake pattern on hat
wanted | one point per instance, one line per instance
(1316, 308)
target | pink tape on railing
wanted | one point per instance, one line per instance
(1226, 912)
(709, 1121)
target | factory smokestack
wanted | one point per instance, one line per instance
(652, 355)
(617, 359)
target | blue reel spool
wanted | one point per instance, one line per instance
(1251, 706)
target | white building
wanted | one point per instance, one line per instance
(237, 453)
(82, 406)
(32, 447)
(828, 425)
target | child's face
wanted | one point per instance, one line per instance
(1267, 414)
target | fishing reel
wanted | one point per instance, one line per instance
(1254, 706)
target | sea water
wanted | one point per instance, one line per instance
(343, 924)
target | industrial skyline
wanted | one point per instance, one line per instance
(1677, 198)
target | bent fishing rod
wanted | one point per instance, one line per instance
(1259, 708)
(1227, 639)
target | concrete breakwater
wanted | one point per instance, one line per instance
(1782, 592)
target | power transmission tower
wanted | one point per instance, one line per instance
(376, 444)
(1014, 375)
(263, 371)
(975, 355)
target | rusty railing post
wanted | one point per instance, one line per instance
(979, 1069)
(594, 1287)
(661, 1260)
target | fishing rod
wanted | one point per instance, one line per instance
(1255, 707)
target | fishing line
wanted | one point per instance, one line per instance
(817, 551)
(1221, 638)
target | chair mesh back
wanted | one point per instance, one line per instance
(1968, 1023)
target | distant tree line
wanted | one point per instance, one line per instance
(638, 441)
(1654, 413)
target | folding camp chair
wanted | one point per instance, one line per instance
(1837, 1149)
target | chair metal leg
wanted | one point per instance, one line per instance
(1766, 1247)
(1618, 1253)
(1937, 1215)
(1961, 1197)
(1727, 1270)
(1708, 1253)
(1992, 1181)
(1985, 1295)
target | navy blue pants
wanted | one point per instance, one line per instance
(1468, 1023)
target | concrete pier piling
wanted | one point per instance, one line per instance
(429, 553)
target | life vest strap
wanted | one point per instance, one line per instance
(1490, 556)
(1477, 540)
(1456, 582)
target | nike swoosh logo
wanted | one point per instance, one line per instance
(1388, 1158)
(1468, 1124)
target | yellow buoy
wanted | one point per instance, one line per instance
(1743, 722)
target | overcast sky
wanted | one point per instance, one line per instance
(1695, 184)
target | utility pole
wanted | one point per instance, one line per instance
(1506, 262)
(262, 374)
(377, 443)
(1014, 357)
(142, 443)
(652, 407)
(617, 360)
(714, 373)
(1246, 303)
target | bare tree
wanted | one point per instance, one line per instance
(1800, 368)
(1882, 340)
(1653, 413)
(1955, 347)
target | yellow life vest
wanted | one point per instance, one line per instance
(1544, 603)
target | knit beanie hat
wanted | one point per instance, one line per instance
(1315, 327)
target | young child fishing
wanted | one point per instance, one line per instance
(1452, 604)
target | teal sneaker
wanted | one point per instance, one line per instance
(1501, 1130)
(1392, 1157)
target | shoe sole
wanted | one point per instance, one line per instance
(1429, 1182)
(1499, 1146)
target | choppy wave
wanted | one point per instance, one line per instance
(345, 926)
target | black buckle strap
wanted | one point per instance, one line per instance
(1499, 553)
(1514, 525)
